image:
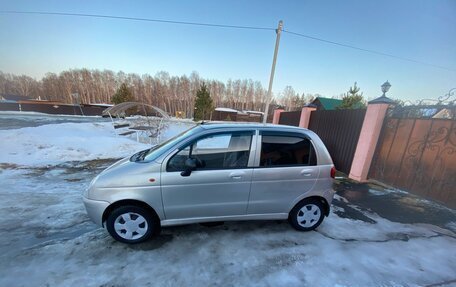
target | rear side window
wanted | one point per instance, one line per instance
(220, 151)
(281, 150)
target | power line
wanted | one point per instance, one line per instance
(139, 19)
(368, 50)
(229, 27)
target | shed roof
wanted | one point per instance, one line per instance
(228, 110)
(12, 97)
(328, 103)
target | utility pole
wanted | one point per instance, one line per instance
(271, 79)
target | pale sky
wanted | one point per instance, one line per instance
(420, 30)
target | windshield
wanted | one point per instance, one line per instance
(154, 152)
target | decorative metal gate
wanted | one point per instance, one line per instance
(418, 154)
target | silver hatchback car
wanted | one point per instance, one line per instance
(215, 172)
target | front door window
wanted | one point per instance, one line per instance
(219, 151)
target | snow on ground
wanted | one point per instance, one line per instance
(46, 238)
(55, 143)
(49, 241)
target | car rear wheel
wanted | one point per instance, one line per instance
(131, 224)
(307, 215)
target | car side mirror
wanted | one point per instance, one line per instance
(190, 165)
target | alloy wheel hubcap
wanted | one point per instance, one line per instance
(308, 215)
(130, 226)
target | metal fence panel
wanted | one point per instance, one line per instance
(339, 130)
(290, 118)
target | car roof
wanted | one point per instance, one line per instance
(225, 125)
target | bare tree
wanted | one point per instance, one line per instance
(171, 93)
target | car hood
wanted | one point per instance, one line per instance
(125, 173)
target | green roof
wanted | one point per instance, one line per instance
(328, 103)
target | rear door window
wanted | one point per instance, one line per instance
(286, 150)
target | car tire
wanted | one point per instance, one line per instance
(307, 215)
(131, 224)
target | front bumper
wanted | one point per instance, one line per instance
(95, 209)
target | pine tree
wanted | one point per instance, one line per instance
(123, 94)
(203, 104)
(352, 99)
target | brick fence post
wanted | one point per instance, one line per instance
(305, 117)
(368, 138)
(276, 118)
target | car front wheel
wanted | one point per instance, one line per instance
(131, 224)
(307, 215)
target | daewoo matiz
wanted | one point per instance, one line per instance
(216, 172)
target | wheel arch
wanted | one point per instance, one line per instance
(113, 206)
(315, 197)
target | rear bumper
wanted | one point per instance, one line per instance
(329, 195)
(95, 209)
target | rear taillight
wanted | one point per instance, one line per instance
(333, 172)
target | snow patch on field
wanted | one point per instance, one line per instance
(56, 143)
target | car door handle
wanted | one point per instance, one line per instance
(236, 175)
(306, 172)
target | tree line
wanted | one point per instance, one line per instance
(170, 93)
